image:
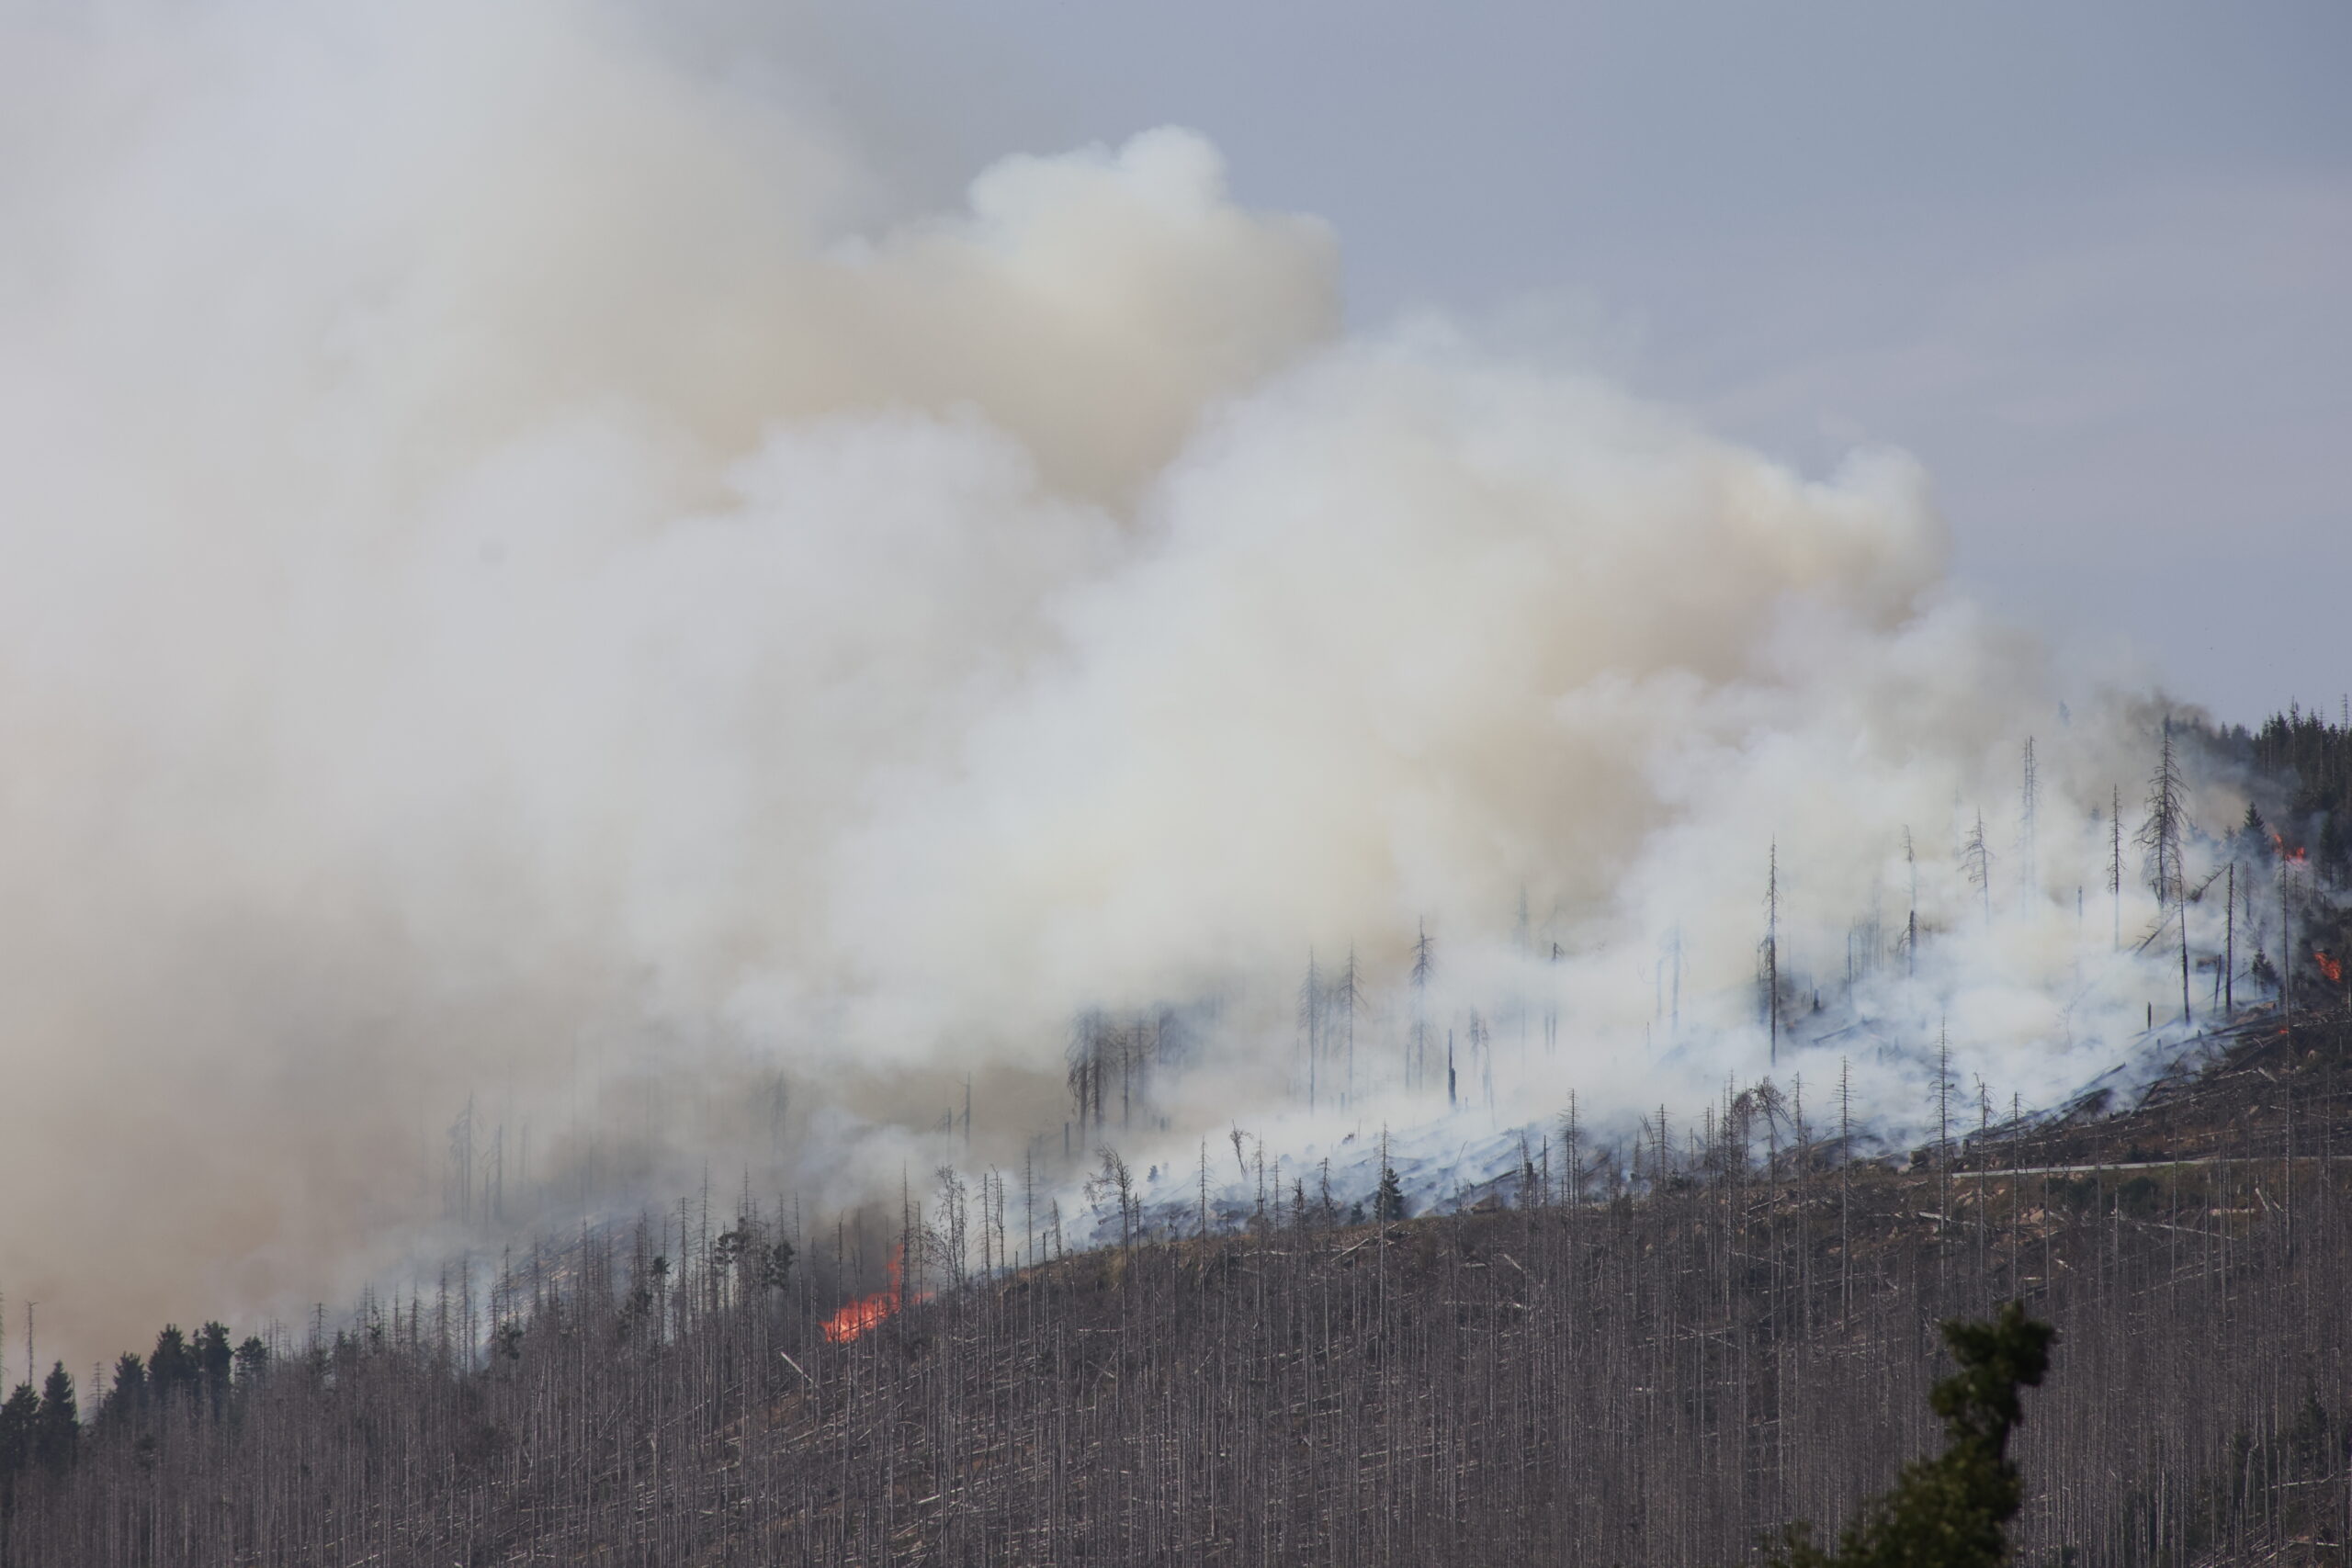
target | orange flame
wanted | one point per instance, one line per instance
(859, 1315)
(867, 1311)
(2293, 857)
(2331, 967)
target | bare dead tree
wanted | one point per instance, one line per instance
(1911, 924)
(1347, 997)
(2029, 804)
(1770, 954)
(1312, 999)
(2161, 836)
(1976, 857)
(2115, 858)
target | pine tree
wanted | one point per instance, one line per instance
(1388, 1203)
(213, 1360)
(18, 1418)
(1952, 1511)
(57, 1426)
(129, 1397)
(173, 1367)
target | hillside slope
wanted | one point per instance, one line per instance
(1658, 1380)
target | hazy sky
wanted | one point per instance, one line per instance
(2089, 262)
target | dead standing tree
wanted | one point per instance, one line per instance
(1346, 1000)
(2115, 858)
(1313, 1000)
(1976, 857)
(1911, 922)
(1424, 966)
(1770, 954)
(2160, 838)
(2028, 806)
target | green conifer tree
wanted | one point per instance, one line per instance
(213, 1360)
(129, 1397)
(17, 1420)
(57, 1425)
(173, 1366)
(1952, 1511)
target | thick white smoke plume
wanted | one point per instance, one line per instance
(521, 593)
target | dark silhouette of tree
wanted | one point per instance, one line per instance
(214, 1358)
(772, 1269)
(173, 1367)
(57, 1425)
(128, 1399)
(2161, 835)
(1976, 856)
(1115, 1183)
(1388, 1202)
(1952, 1511)
(18, 1418)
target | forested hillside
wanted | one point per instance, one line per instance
(1585, 1376)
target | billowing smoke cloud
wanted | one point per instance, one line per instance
(514, 597)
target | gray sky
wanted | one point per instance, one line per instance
(2088, 260)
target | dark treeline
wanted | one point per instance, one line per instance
(1580, 1375)
(2299, 768)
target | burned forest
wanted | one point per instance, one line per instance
(1578, 1371)
(937, 786)
(1681, 1337)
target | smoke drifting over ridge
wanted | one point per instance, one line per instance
(511, 599)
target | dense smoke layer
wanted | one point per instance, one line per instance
(516, 602)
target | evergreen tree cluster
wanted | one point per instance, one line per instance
(37, 1430)
(198, 1378)
(2299, 769)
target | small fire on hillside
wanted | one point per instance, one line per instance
(867, 1311)
(2331, 967)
